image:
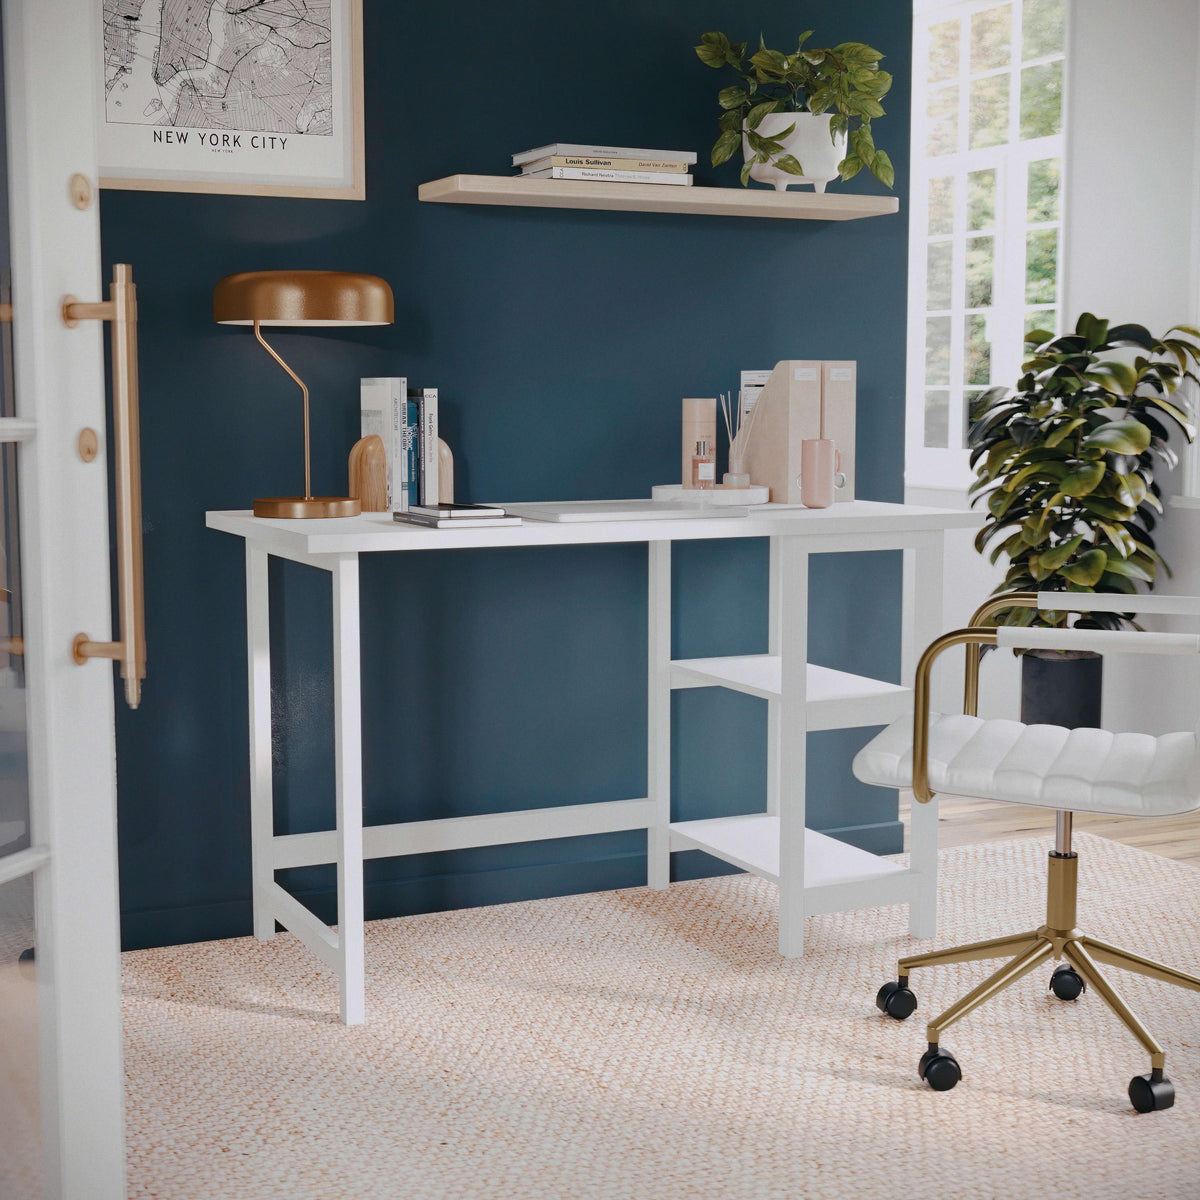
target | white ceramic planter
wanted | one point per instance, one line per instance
(809, 144)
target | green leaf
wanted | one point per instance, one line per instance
(755, 115)
(1086, 569)
(785, 162)
(1083, 480)
(1130, 570)
(1134, 490)
(850, 166)
(863, 144)
(882, 169)
(712, 49)
(1062, 431)
(726, 146)
(1127, 436)
(1055, 557)
(745, 174)
(733, 97)
(1093, 329)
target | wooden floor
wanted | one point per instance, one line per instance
(962, 822)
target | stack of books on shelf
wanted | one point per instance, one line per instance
(455, 516)
(606, 164)
(406, 418)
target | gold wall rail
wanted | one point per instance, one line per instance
(121, 311)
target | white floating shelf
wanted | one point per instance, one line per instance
(836, 699)
(752, 843)
(521, 192)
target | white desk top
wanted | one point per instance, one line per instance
(378, 532)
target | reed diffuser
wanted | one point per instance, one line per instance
(738, 431)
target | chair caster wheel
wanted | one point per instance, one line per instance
(1148, 1094)
(939, 1069)
(896, 1000)
(1066, 983)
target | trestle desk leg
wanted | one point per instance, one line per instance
(658, 733)
(792, 735)
(262, 816)
(347, 724)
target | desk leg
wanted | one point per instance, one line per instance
(922, 623)
(347, 726)
(791, 579)
(262, 812)
(658, 733)
(774, 617)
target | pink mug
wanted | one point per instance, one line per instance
(820, 460)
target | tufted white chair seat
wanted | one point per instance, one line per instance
(1078, 770)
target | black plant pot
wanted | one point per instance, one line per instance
(1061, 688)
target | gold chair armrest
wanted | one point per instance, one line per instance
(971, 638)
(989, 608)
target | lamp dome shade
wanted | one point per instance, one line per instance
(302, 298)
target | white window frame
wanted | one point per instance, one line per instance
(948, 468)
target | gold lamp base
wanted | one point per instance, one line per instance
(299, 508)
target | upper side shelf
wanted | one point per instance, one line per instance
(653, 197)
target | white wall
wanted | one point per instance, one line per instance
(1131, 253)
(1131, 250)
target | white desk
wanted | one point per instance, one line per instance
(815, 873)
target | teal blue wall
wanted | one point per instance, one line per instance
(562, 343)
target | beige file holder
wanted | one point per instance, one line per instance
(789, 411)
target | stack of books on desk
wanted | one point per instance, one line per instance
(454, 516)
(606, 164)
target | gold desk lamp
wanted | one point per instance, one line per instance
(306, 299)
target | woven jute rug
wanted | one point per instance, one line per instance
(640, 1044)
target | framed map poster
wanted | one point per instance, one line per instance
(244, 97)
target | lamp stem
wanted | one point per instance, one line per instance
(304, 391)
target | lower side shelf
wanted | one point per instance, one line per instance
(752, 843)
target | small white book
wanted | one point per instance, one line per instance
(603, 176)
(572, 148)
(596, 162)
(383, 403)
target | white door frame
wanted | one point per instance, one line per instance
(53, 86)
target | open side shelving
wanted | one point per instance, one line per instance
(835, 699)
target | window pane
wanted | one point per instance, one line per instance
(1041, 100)
(969, 398)
(1041, 318)
(941, 204)
(937, 350)
(980, 267)
(937, 276)
(977, 351)
(943, 51)
(937, 420)
(943, 122)
(1042, 28)
(981, 199)
(989, 111)
(20, 1116)
(1043, 191)
(991, 38)
(1041, 266)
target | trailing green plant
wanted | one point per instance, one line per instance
(1067, 463)
(845, 78)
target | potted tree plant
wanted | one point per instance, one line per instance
(803, 117)
(1067, 465)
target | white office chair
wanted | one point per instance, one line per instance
(1068, 770)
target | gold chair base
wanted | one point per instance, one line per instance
(1058, 939)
